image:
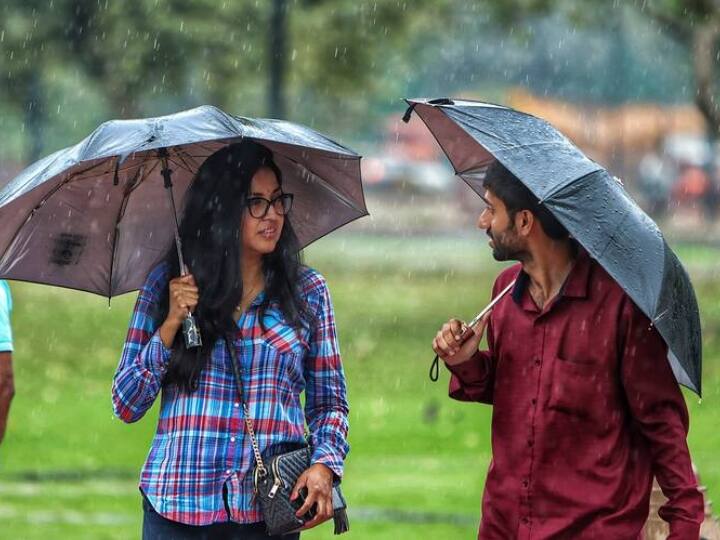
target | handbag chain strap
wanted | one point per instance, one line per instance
(261, 469)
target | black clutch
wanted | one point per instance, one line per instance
(273, 491)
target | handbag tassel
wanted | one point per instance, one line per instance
(340, 518)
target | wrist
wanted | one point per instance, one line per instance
(324, 470)
(172, 323)
(457, 359)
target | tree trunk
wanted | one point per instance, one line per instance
(277, 56)
(34, 116)
(705, 38)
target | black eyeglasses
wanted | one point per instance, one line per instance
(259, 206)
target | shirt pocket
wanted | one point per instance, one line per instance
(578, 388)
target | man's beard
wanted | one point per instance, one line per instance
(504, 250)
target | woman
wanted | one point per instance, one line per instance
(246, 281)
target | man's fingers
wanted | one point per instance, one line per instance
(443, 345)
(456, 327)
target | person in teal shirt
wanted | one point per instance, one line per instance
(7, 385)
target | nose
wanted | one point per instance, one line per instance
(483, 221)
(273, 214)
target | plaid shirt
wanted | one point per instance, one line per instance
(201, 445)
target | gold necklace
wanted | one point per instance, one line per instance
(253, 292)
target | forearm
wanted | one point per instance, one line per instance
(328, 436)
(7, 390)
(327, 411)
(168, 330)
(139, 377)
(659, 411)
(472, 380)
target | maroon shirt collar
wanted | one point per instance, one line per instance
(576, 284)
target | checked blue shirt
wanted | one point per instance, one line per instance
(201, 445)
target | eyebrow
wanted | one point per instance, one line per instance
(257, 194)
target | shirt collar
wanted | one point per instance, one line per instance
(258, 299)
(576, 284)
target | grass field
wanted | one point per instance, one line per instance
(68, 468)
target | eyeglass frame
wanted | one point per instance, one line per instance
(269, 203)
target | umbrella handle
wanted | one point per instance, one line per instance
(191, 331)
(435, 366)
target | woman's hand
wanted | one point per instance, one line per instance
(318, 479)
(183, 299)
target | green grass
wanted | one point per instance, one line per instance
(416, 456)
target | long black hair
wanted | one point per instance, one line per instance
(212, 247)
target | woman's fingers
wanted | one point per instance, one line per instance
(308, 504)
(184, 294)
(301, 483)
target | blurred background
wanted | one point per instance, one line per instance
(633, 83)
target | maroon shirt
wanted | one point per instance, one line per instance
(585, 411)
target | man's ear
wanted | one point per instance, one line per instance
(524, 221)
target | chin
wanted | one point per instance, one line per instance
(499, 255)
(265, 248)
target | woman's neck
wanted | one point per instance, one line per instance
(252, 274)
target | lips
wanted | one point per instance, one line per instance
(268, 233)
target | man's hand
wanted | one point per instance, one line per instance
(448, 346)
(7, 389)
(318, 479)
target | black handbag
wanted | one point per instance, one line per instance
(275, 480)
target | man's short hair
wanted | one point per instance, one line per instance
(516, 197)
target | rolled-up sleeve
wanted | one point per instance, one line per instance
(659, 409)
(139, 375)
(326, 406)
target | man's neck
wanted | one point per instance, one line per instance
(548, 266)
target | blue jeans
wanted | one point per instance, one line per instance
(157, 527)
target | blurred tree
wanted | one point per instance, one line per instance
(144, 55)
(22, 39)
(695, 24)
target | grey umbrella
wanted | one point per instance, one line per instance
(97, 217)
(587, 200)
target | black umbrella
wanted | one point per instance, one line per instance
(587, 200)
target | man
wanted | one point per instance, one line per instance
(7, 386)
(585, 406)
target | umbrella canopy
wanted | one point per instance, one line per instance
(587, 200)
(96, 216)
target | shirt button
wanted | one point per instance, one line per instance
(537, 361)
(525, 520)
(530, 442)
(525, 483)
(533, 401)
(232, 439)
(228, 471)
(237, 405)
